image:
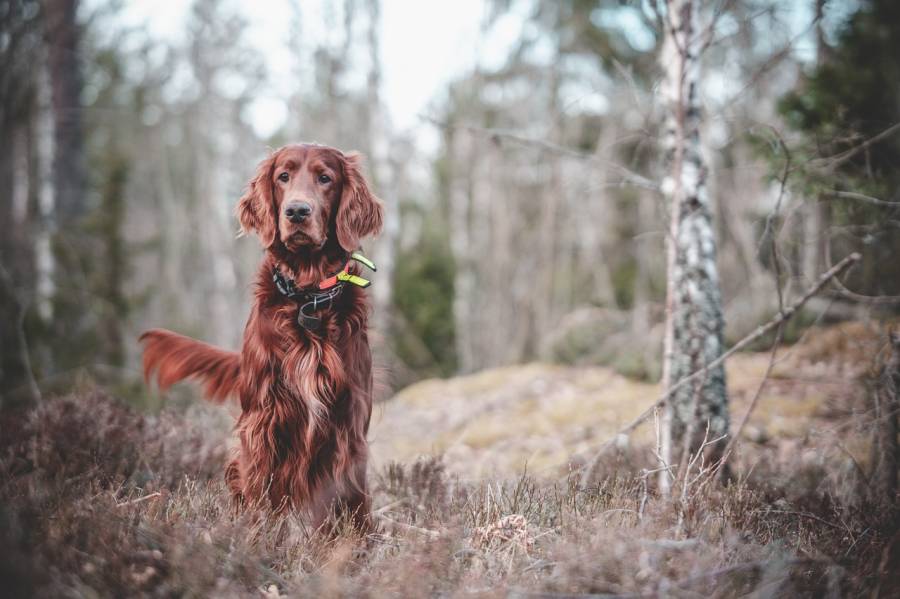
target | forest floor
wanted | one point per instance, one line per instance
(542, 417)
(474, 494)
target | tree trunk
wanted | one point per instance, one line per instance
(815, 215)
(65, 74)
(694, 322)
(17, 385)
(385, 249)
(19, 64)
(113, 271)
(887, 404)
(460, 150)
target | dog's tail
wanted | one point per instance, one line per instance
(175, 357)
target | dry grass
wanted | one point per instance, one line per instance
(100, 500)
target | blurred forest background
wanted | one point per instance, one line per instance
(520, 302)
(532, 230)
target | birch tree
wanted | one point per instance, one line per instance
(694, 322)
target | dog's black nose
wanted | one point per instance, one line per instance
(297, 211)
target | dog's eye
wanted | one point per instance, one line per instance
(283, 177)
(323, 179)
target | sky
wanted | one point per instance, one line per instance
(423, 45)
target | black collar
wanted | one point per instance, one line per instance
(323, 294)
(311, 300)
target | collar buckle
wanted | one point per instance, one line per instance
(321, 296)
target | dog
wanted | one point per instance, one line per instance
(304, 372)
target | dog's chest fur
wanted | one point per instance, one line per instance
(310, 372)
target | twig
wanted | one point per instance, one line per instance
(772, 61)
(779, 333)
(866, 299)
(627, 174)
(831, 162)
(803, 515)
(390, 506)
(853, 195)
(770, 219)
(431, 534)
(140, 499)
(858, 297)
(781, 317)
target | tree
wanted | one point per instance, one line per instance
(846, 114)
(20, 31)
(885, 449)
(63, 41)
(694, 323)
(539, 209)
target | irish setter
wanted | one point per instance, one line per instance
(304, 372)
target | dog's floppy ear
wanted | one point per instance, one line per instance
(256, 209)
(360, 212)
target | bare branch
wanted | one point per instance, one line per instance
(776, 57)
(831, 162)
(852, 195)
(780, 318)
(770, 219)
(140, 499)
(858, 297)
(628, 175)
(779, 334)
(431, 534)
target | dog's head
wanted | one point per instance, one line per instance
(305, 196)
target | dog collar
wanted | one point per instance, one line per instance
(345, 276)
(323, 294)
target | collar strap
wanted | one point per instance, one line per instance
(323, 294)
(345, 276)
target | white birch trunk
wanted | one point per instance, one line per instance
(694, 321)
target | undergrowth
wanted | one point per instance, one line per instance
(100, 500)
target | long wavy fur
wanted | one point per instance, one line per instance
(173, 357)
(305, 398)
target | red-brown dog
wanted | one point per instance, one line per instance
(304, 372)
